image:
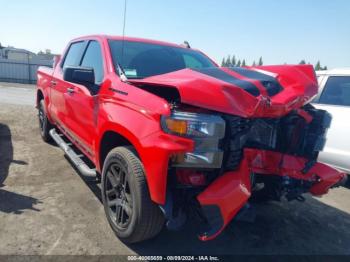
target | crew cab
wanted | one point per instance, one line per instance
(173, 136)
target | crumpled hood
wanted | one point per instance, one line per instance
(263, 91)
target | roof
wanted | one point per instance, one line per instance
(19, 50)
(335, 71)
(127, 38)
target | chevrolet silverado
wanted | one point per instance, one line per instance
(174, 136)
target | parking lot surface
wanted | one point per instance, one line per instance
(46, 207)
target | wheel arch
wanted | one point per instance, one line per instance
(39, 96)
(42, 95)
(109, 140)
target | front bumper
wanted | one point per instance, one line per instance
(223, 199)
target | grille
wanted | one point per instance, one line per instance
(290, 134)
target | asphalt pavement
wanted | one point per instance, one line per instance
(17, 94)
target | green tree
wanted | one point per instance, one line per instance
(244, 63)
(239, 63)
(302, 62)
(233, 61)
(228, 61)
(260, 61)
(318, 66)
(254, 64)
(223, 62)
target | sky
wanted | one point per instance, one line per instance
(284, 31)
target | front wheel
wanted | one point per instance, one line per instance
(127, 203)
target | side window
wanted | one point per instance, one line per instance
(73, 55)
(93, 58)
(336, 91)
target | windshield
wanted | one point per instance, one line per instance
(140, 60)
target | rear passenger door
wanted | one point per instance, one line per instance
(82, 102)
(335, 98)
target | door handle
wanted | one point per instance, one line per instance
(70, 90)
(53, 83)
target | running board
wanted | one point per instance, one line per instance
(76, 160)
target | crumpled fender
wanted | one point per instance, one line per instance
(222, 199)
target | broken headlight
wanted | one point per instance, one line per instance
(194, 125)
(206, 131)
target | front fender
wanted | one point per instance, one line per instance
(141, 127)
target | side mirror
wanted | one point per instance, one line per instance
(56, 60)
(80, 75)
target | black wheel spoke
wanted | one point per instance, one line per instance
(119, 198)
(119, 214)
(127, 209)
(115, 202)
(111, 179)
(116, 174)
(111, 192)
(128, 198)
(121, 178)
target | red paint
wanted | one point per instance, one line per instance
(231, 191)
(299, 86)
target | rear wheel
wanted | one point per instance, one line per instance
(347, 183)
(129, 209)
(44, 123)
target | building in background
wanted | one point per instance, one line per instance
(19, 54)
(20, 65)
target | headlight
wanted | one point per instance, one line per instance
(194, 125)
(206, 131)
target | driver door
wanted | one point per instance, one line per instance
(82, 102)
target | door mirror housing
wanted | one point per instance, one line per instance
(80, 75)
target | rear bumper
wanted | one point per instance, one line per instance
(223, 199)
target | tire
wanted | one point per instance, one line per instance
(44, 124)
(347, 182)
(126, 200)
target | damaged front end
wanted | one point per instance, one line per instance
(255, 138)
(270, 159)
(237, 159)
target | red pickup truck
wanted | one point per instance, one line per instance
(172, 135)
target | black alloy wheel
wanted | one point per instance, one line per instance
(118, 196)
(44, 124)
